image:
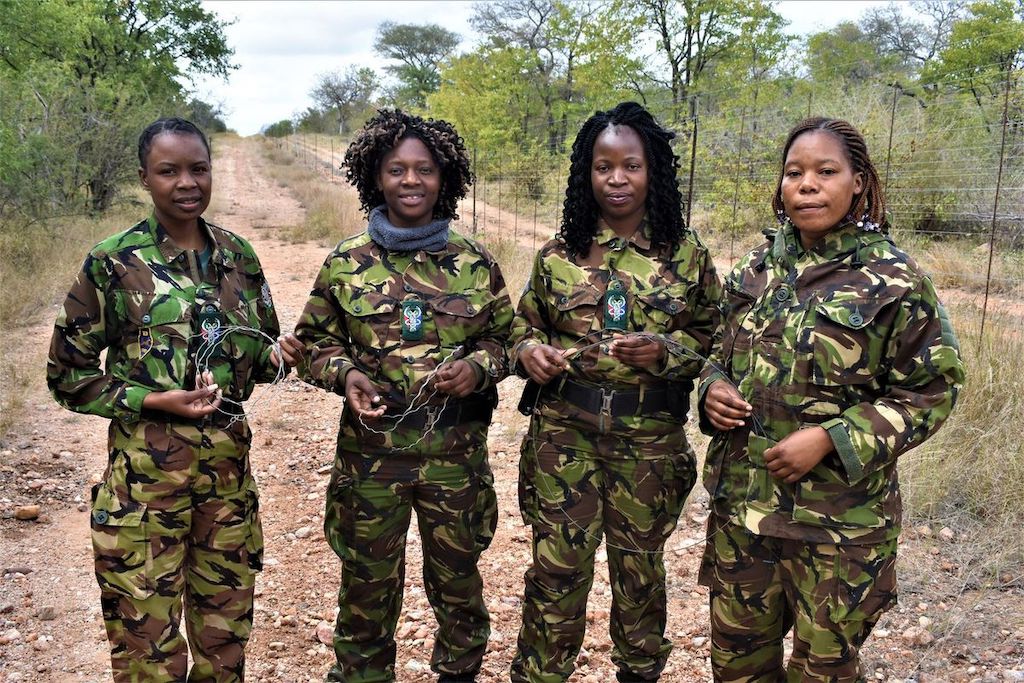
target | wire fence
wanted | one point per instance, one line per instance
(951, 162)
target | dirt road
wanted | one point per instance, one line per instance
(50, 625)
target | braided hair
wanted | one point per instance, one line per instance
(664, 202)
(173, 124)
(870, 203)
(382, 133)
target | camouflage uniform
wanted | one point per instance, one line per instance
(176, 514)
(354, 319)
(583, 473)
(848, 335)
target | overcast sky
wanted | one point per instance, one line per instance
(281, 47)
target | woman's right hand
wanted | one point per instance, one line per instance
(543, 362)
(361, 396)
(192, 405)
(724, 406)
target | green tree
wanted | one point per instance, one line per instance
(846, 53)
(418, 49)
(82, 77)
(349, 95)
(281, 129)
(207, 116)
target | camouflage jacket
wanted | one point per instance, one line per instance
(137, 297)
(674, 295)
(849, 335)
(446, 300)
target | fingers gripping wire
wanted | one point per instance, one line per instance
(208, 348)
(420, 400)
(551, 495)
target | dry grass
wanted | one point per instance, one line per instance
(332, 210)
(969, 476)
(963, 264)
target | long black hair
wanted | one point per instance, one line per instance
(172, 124)
(664, 201)
(382, 133)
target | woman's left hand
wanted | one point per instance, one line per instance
(291, 350)
(797, 454)
(638, 350)
(456, 378)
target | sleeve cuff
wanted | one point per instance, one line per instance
(703, 423)
(129, 403)
(836, 429)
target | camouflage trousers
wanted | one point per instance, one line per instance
(762, 587)
(176, 528)
(446, 479)
(576, 486)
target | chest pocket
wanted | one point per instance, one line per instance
(241, 348)
(658, 308)
(458, 316)
(848, 341)
(575, 307)
(736, 337)
(368, 316)
(155, 334)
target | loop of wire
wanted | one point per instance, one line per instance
(414, 405)
(213, 342)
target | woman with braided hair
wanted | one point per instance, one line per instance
(408, 320)
(611, 331)
(836, 358)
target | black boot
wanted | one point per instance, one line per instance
(630, 677)
(457, 678)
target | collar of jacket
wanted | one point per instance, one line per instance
(170, 251)
(641, 238)
(840, 242)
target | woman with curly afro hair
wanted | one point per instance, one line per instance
(611, 331)
(408, 320)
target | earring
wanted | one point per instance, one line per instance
(865, 223)
(781, 217)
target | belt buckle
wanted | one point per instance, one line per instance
(433, 412)
(606, 402)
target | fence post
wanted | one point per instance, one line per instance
(693, 160)
(736, 186)
(475, 175)
(892, 123)
(995, 204)
(500, 171)
(333, 165)
(535, 202)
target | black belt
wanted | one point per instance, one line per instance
(441, 416)
(596, 399)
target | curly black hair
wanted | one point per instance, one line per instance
(664, 201)
(172, 124)
(382, 132)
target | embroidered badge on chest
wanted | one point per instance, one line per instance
(412, 320)
(615, 308)
(210, 324)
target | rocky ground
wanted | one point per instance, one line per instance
(946, 628)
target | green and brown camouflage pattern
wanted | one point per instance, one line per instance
(353, 315)
(373, 492)
(762, 587)
(138, 296)
(674, 295)
(584, 476)
(353, 319)
(176, 514)
(849, 335)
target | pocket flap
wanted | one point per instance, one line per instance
(584, 295)
(670, 299)
(109, 510)
(854, 314)
(145, 309)
(461, 304)
(360, 302)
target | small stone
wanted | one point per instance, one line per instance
(278, 646)
(916, 636)
(10, 636)
(422, 633)
(41, 645)
(289, 620)
(924, 622)
(699, 642)
(303, 532)
(947, 534)
(324, 633)
(26, 512)
(881, 633)
(924, 530)
(46, 614)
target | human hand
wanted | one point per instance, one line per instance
(291, 351)
(797, 454)
(638, 350)
(543, 362)
(192, 405)
(456, 378)
(361, 396)
(724, 406)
